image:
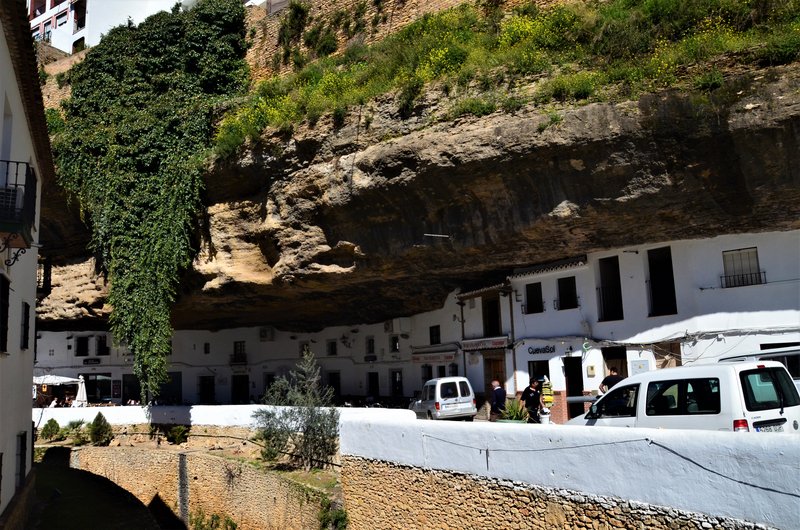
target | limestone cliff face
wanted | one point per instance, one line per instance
(328, 226)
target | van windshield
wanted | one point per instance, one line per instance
(768, 388)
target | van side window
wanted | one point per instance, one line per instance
(683, 397)
(619, 402)
(448, 390)
(464, 387)
(427, 393)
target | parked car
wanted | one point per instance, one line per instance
(755, 396)
(446, 398)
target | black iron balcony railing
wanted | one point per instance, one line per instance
(566, 302)
(17, 204)
(741, 280)
(238, 358)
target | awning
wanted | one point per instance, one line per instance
(54, 380)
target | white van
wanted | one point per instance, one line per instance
(755, 396)
(446, 398)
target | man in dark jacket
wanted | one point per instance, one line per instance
(498, 401)
(610, 380)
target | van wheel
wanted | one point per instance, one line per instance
(430, 416)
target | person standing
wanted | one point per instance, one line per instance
(610, 380)
(532, 400)
(498, 401)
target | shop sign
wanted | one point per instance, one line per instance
(543, 349)
(484, 344)
(434, 358)
(91, 360)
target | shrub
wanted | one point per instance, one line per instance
(515, 410)
(178, 434)
(301, 418)
(100, 431)
(50, 429)
(477, 106)
(332, 517)
(74, 431)
(410, 89)
(708, 81)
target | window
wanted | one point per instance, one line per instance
(26, 326)
(533, 298)
(684, 397)
(567, 294)
(4, 294)
(441, 370)
(370, 345)
(463, 386)
(239, 347)
(448, 390)
(331, 347)
(741, 268)
(435, 333)
(206, 348)
(619, 402)
(81, 346)
(609, 294)
(661, 283)
(102, 345)
(394, 343)
(768, 388)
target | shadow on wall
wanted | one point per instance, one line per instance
(166, 518)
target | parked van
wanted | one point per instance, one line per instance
(446, 398)
(755, 396)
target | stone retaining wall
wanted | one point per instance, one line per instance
(189, 483)
(385, 495)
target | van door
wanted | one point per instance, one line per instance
(616, 409)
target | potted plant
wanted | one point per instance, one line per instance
(515, 413)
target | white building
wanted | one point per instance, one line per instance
(72, 25)
(635, 309)
(24, 155)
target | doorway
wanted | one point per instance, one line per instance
(240, 389)
(206, 391)
(615, 357)
(494, 368)
(397, 383)
(574, 379)
(373, 385)
(491, 316)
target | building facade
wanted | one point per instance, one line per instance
(571, 321)
(72, 25)
(24, 158)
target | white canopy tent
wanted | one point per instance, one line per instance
(55, 380)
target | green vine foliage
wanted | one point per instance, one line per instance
(135, 135)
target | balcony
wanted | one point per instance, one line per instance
(238, 359)
(17, 204)
(742, 280)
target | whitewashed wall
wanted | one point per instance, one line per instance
(219, 415)
(746, 476)
(16, 364)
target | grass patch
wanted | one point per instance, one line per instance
(583, 50)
